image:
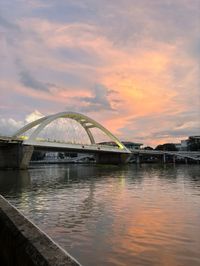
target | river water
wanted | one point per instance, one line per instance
(111, 215)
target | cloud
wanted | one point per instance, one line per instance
(173, 126)
(33, 116)
(8, 25)
(10, 36)
(144, 51)
(29, 81)
(99, 100)
(9, 126)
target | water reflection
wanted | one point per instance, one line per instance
(13, 182)
(114, 215)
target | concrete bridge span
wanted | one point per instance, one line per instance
(16, 151)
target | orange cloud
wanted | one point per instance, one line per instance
(142, 75)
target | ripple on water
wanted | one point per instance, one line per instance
(114, 216)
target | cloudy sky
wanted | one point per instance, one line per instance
(131, 65)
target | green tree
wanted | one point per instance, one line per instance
(166, 147)
(148, 148)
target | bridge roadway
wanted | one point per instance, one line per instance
(48, 145)
(64, 146)
(13, 150)
(56, 145)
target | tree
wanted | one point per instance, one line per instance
(148, 148)
(166, 147)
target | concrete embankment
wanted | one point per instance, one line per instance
(22, 243)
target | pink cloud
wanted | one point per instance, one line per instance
(149, 76)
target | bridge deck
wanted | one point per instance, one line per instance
(57, 146)
(74, 147)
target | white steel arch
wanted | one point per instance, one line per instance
(84, 120)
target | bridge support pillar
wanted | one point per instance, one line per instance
(111, 158)
(15, 155)
(138, 159)
(164, 158)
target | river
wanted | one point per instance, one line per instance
(113, 215)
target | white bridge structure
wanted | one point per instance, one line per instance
(16, 151)
(22, 148)
(86, 122)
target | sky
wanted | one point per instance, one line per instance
(131, 65)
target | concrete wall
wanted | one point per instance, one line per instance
(24, 244)
(111, 158)
(15, 155)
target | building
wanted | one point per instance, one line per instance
(68, 157)
(184, 145)
(190, 144)
(194, 143)
(178, 146)
(128, 144)
(132, 145)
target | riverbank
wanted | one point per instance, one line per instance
(23, 243)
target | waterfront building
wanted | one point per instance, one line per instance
(51, 156)
(128, 144)
(178, 146)
(67, 157)
(132, 145)
(184, 145)
(192, 143)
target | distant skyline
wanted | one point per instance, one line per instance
(131, 65)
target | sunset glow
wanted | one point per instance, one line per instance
(131, 65)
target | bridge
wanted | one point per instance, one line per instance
(192, 155)
(16, 150)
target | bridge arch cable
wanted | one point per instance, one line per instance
(64, 130)
(86, 123)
